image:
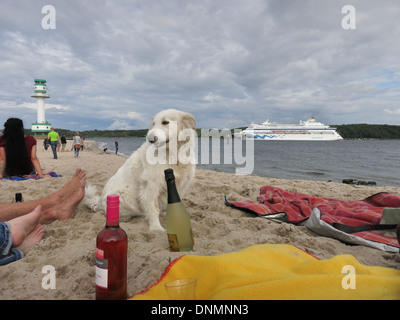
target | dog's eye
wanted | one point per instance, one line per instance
(164, 122)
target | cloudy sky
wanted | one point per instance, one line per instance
(114, 64)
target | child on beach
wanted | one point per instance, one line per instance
(63, 142)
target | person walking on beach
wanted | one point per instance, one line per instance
(21, 222)
(116, 146)
(54, 141)
(63, 142)
(76, 144)
(46, 143)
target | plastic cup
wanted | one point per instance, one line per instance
(182, 289)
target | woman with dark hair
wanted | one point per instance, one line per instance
(17, 151)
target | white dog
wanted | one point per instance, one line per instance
(140, 182)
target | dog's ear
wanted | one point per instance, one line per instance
(152, 122)
(188, 121)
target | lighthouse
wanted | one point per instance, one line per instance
(41, 126)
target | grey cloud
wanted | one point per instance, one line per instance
(228, 62)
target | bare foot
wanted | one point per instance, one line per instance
(71, 186)
(65, 209)
(63, 193)
(31, 239)
(22, 226)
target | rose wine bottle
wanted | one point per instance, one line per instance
(111, 256)
(178, 224)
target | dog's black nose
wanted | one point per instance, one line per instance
(152, 139)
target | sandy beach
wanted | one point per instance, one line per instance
(69, 245)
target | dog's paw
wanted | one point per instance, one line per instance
(156, 227)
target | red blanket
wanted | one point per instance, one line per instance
(298, 207)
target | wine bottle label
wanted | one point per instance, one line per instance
(173, 242)
(101, 269)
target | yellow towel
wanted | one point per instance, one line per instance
(278, 272)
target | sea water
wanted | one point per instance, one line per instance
(360, 160)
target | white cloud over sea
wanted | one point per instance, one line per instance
(114, 64)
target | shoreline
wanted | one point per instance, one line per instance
(69, 245)
(321, 174)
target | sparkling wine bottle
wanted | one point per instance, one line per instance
(178, 224)
(111, 256)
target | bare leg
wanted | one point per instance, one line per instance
(9, 211)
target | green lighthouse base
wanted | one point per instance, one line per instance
(40, 128)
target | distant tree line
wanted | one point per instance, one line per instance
(368, 131)
(99, 133)
(347, 131)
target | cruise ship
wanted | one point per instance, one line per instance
(309, 130)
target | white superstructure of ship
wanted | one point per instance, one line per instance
(309, 130)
